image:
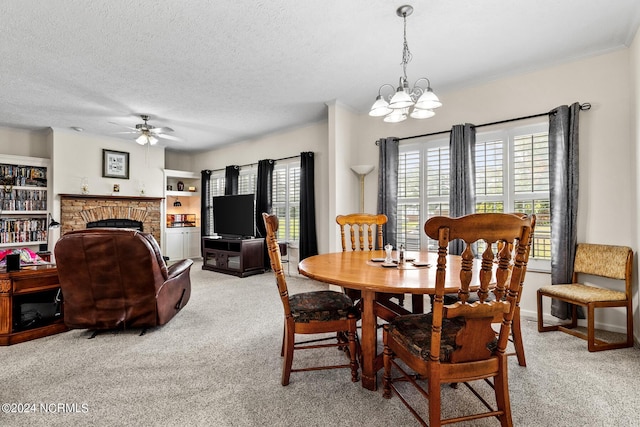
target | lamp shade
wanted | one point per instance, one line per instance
(380, 107)
(396, 116)
(401, 99)
(419, 113)
(362, 169)
(428, 100)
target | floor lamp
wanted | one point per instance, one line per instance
(362, 171)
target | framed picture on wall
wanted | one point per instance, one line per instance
(115, 164)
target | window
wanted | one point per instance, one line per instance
(286, 200)
(247, 181)
(512, 175)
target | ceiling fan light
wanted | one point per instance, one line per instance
(428, 100)
(419, 113)
(152, 140)
(400, 100)
(142, 139)
(397, 116)
(380, 107)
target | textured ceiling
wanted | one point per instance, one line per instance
(218, 72)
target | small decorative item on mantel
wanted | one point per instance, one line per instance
(116, 188)
(180, 186)
(84, 185)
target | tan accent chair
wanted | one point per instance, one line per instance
(457, 343)
(316, 312)
(612, 262)
(117, 278)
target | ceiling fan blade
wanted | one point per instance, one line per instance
(171, 137)
(160, 130)
(128, 132)
(124, 126)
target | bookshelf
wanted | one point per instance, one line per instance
(24, 201)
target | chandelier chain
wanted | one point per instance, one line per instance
(406, 53)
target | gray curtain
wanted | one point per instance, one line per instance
(388, 187)
(563, 191)
(462, 176)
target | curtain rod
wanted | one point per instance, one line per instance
(583, 107)
(252, 164)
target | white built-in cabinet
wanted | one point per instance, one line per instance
(181, 235)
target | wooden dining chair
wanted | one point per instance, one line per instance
(361, 229)
(457, 343)
(605, 261)
(516, 326)
(317, 312)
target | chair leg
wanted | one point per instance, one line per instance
(284, 337)
(353, 351)
(591, 328)
(501, 386)
(629, 312)
(435, 404)
(516, 333)
(386, 377)
(288, 353)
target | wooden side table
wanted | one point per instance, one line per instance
(30, 285)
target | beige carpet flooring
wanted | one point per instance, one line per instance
(217, 363)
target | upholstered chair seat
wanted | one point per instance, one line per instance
(320, 306)
(414, 332)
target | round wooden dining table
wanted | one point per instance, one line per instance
(364, 271)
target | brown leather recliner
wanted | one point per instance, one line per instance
(116, 278)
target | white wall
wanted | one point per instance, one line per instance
(344, 184)
(635, 126)
(77, 155)
(20, 142)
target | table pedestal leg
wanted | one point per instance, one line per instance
(369, 341)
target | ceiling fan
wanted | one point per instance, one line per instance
(148, 134)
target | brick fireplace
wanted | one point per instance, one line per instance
(76, 210)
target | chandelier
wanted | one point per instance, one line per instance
(417, 102)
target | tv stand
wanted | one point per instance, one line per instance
(237, 256)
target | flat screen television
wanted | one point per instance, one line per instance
(233, 216)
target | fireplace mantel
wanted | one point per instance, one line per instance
(108, 197)
(78, 209)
